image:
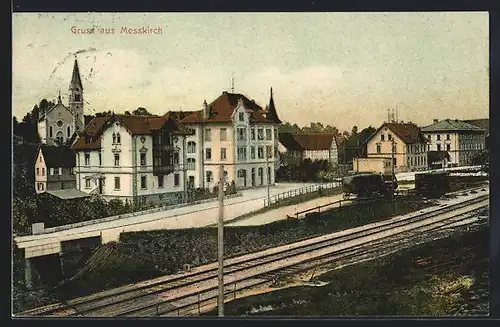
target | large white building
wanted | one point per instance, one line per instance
(460, 139)
(239, 134)
(135, 158)
(58, 124)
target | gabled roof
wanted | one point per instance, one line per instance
(136, 125)
(222, 109)
(58, 105)
(407, 132)
(451, 125)
(481, 123)
(312, 141)
(57, 156)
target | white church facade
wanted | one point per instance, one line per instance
(58, 124)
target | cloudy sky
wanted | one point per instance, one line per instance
(341, 69)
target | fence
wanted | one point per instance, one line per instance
(303, 190)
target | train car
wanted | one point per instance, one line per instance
(433, 184)
(366, 185)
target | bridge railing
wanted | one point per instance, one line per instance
(299, 191)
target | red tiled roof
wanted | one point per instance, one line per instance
(222, 108)
(136, 125)
(312, 141)
(408, 132)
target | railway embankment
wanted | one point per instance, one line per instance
(443, 273)
(143, 255)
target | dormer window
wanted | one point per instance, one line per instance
(241, 116)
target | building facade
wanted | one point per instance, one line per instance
(404, 143)
(58, 124)
(313, 146)
(380, 165)
(54, 168)
(235, 132)
(460, 139)
(133, 158)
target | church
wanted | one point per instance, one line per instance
(58, 125)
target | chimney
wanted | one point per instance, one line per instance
(205, 109)
(435, 120)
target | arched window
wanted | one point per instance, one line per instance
(68, 131)
(191, 163)
(60, 138)
(191, 148)
(51, 132)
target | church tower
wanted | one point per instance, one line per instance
(76, 98)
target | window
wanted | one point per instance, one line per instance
(382, 137)
(116, 138)
(275, 133)
(260, 134)
(43, 171)
(191, 148)
(59, 123)
(242, 153)
(87, 183)
(389, 137)
(117, 183)
(60, 137)
(241, 116)
(438, 137)
(223, 134)
(439, 147)
(448, 137)
(378, 148)
(176, 158)
(100, 159)
(269, 134)
(252, 152)
(208, 135)
(50, 132)
(209, 176)
(56, 171)
(87, 159)
(208, 154)
(394, 162)
(223, 154)
(191, 163)
(143, 182)
(176, 179)
(242, 134)
(269, 151)
(260, 152)
(143, 159)
(68, 131)
(448, 147)
(252, 133)
(160, 181)
(71, 171)
(117, 159)
(38, 171)
(77, 97)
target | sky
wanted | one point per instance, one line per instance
(341, 69)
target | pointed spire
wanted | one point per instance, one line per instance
(272, 114)
(75, 78)
(59, 98)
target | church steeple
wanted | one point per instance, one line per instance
(76, 98)
(75, 79)
(271, 110)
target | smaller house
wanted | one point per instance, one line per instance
(54, 168)
(380, 165)
(314, 146)
(438, 159)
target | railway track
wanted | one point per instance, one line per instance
(160, 298)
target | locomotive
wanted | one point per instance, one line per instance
(432, 184)
(368, 184)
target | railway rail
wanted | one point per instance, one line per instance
(162, 298)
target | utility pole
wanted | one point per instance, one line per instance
(220, 233)
(392, 173)
(268, 181)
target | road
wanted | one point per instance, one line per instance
(199, 215)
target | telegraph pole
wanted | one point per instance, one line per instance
(268, 181)
(220, 233)
(392, 173)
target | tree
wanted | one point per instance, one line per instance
(141, 112)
